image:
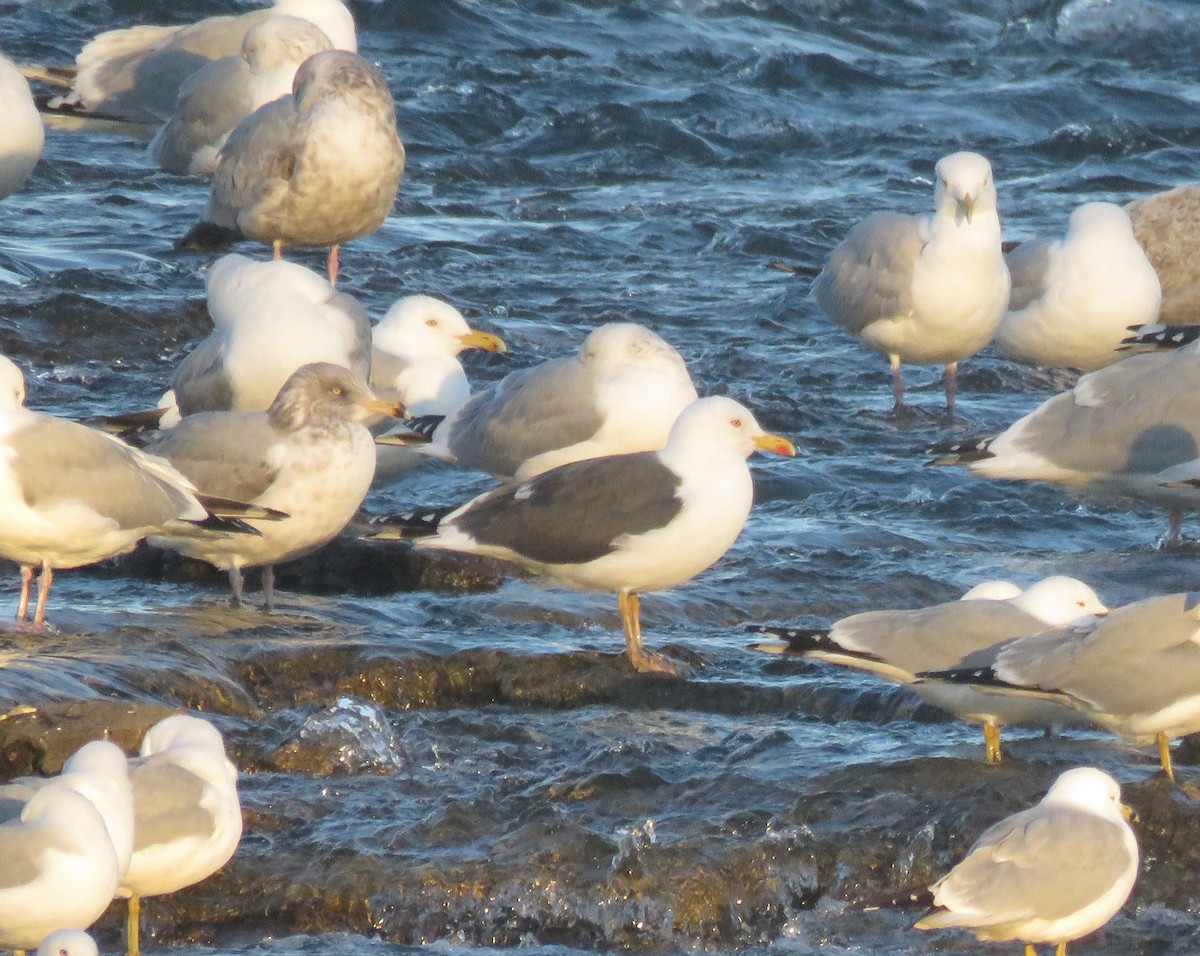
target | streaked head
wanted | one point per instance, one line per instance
(619, 344)
(964, 185)
(282, 41)
(322, 393)
(1059, 601)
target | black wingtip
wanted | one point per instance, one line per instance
(208, 237)
(964, 452)
(236, 510)
(413, 431)
(418, 523)
(978, 676)
(223, 525)
(794, 640)
(129, 425)
(1159, 337)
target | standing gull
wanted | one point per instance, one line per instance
(627, 523)
(1050, 874)
(1074, 298)
(1167, 226)
(897, 645)
(316, 168)
(308, 455)
(924, 289)
(22, 135)
(188, 820)
(621, 393)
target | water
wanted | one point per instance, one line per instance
(571, 163)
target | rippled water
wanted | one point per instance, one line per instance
(571, 163)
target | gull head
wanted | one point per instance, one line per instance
(68, 942)
(323, 394)
(422, 325)
(964, 186)
(182, 730)
(618, 345)
(991, 591)
(282, 41)
(99, 757)
(12, 384)
(1060, 601)
(343, 78)
(1088, 789)
(715, 427)
(1102, 220)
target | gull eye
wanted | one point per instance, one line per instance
(337, 390)
(735, 422)
(1081, 603)
(432, 323)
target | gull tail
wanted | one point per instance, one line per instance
(963, 452)
(219, 525)
(234, 510)
(129, 426)
(208, 237)
(413, 431)
(792, 640)
(1158, 337)
(987, 678)
(418, 523)
(49, 73)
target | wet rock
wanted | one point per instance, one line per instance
(349, 736)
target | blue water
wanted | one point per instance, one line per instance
(571, 163)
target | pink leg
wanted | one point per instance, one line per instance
(897, 380)
(331, 264)
(26, 581)
(45, 579)
(951, 385)
(1175, 526)
(278, 246)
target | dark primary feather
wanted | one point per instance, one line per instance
(962, 452)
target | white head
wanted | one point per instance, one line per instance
(992, 591)
(1059, 601)
(1099, 220)
(1087, 788)
(423, 325)
(68, 942)
(335, 21)
(964, 186)
(282, 41)
(182, 730)
(620, 344)
(12, 384)
(101, 757)
(713, 427)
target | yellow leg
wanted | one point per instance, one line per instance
(641, 659)
(1164, 756)
(991, 743)
(1029, 950)
(1061, 949)
(131, 926)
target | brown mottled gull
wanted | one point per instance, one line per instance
(1167, 226)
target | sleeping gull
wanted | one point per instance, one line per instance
(897, 645)
(309, 455)
(621, 393)
(991, 591)
(1074, 298)
(220, 95)
(414, 361)
(316, 168)
(1136, 673)
(74, 496)
(627, 523)
(1167, 226)
(188, 820)
(1050, 874)
(924, 289)
(135, 74)
(58, 870)
(1129, 430)
(68, 942)
(23, 135)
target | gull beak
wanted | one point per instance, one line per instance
(966, 206)
(482, 340)
(1128, 813)
(378, 406)
(776, 444)
(1102, 611)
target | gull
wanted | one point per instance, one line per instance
(1049, 874)
(188, 819)
(70, 495)
(992, 591)
(58, 870)
(135, 74)
(621, 393)
(68, 942)
(316, 168)
(627, 523)
(414, 361)
(1167, 226)
(1074, 298)
(23, 135)
(898, 645)
(1135, 673)
(309, 455)
(924, 289)
(220, 95)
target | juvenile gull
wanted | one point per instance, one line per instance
(22, 134)
(1136, 673)
(71, 496)
(1074, 298)
(897, 645)
(316, 168)
(58, 869)
(188, 820)
(414, 361)
(924, 289)
(309, 455)
(1050, 874)
(135, 74)
(1167, 226)
(621, 393)
(221, 94)
(627, 523)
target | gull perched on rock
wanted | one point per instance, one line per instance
(220, 95)
(897, 645)
(188, 820)
(1074, 298)
(1050, 874)
(135, 74)
(309, 455)
(316, 168)
(22, 135)
(621, 393)
(924, 289)
(628, 523)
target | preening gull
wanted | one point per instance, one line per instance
(316, 168)
(188, 821)
(22, 134)
(58, 869)
(220, 95)
(70, 495)
(626, 523)
(309, 455)
(414, 361)
(621, 393)
(1074, 298)
(136, 73)
(1167, 226)
(897, 645)
(68, 942)
(1049, 874)
(924, 289)
(1136, 673)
